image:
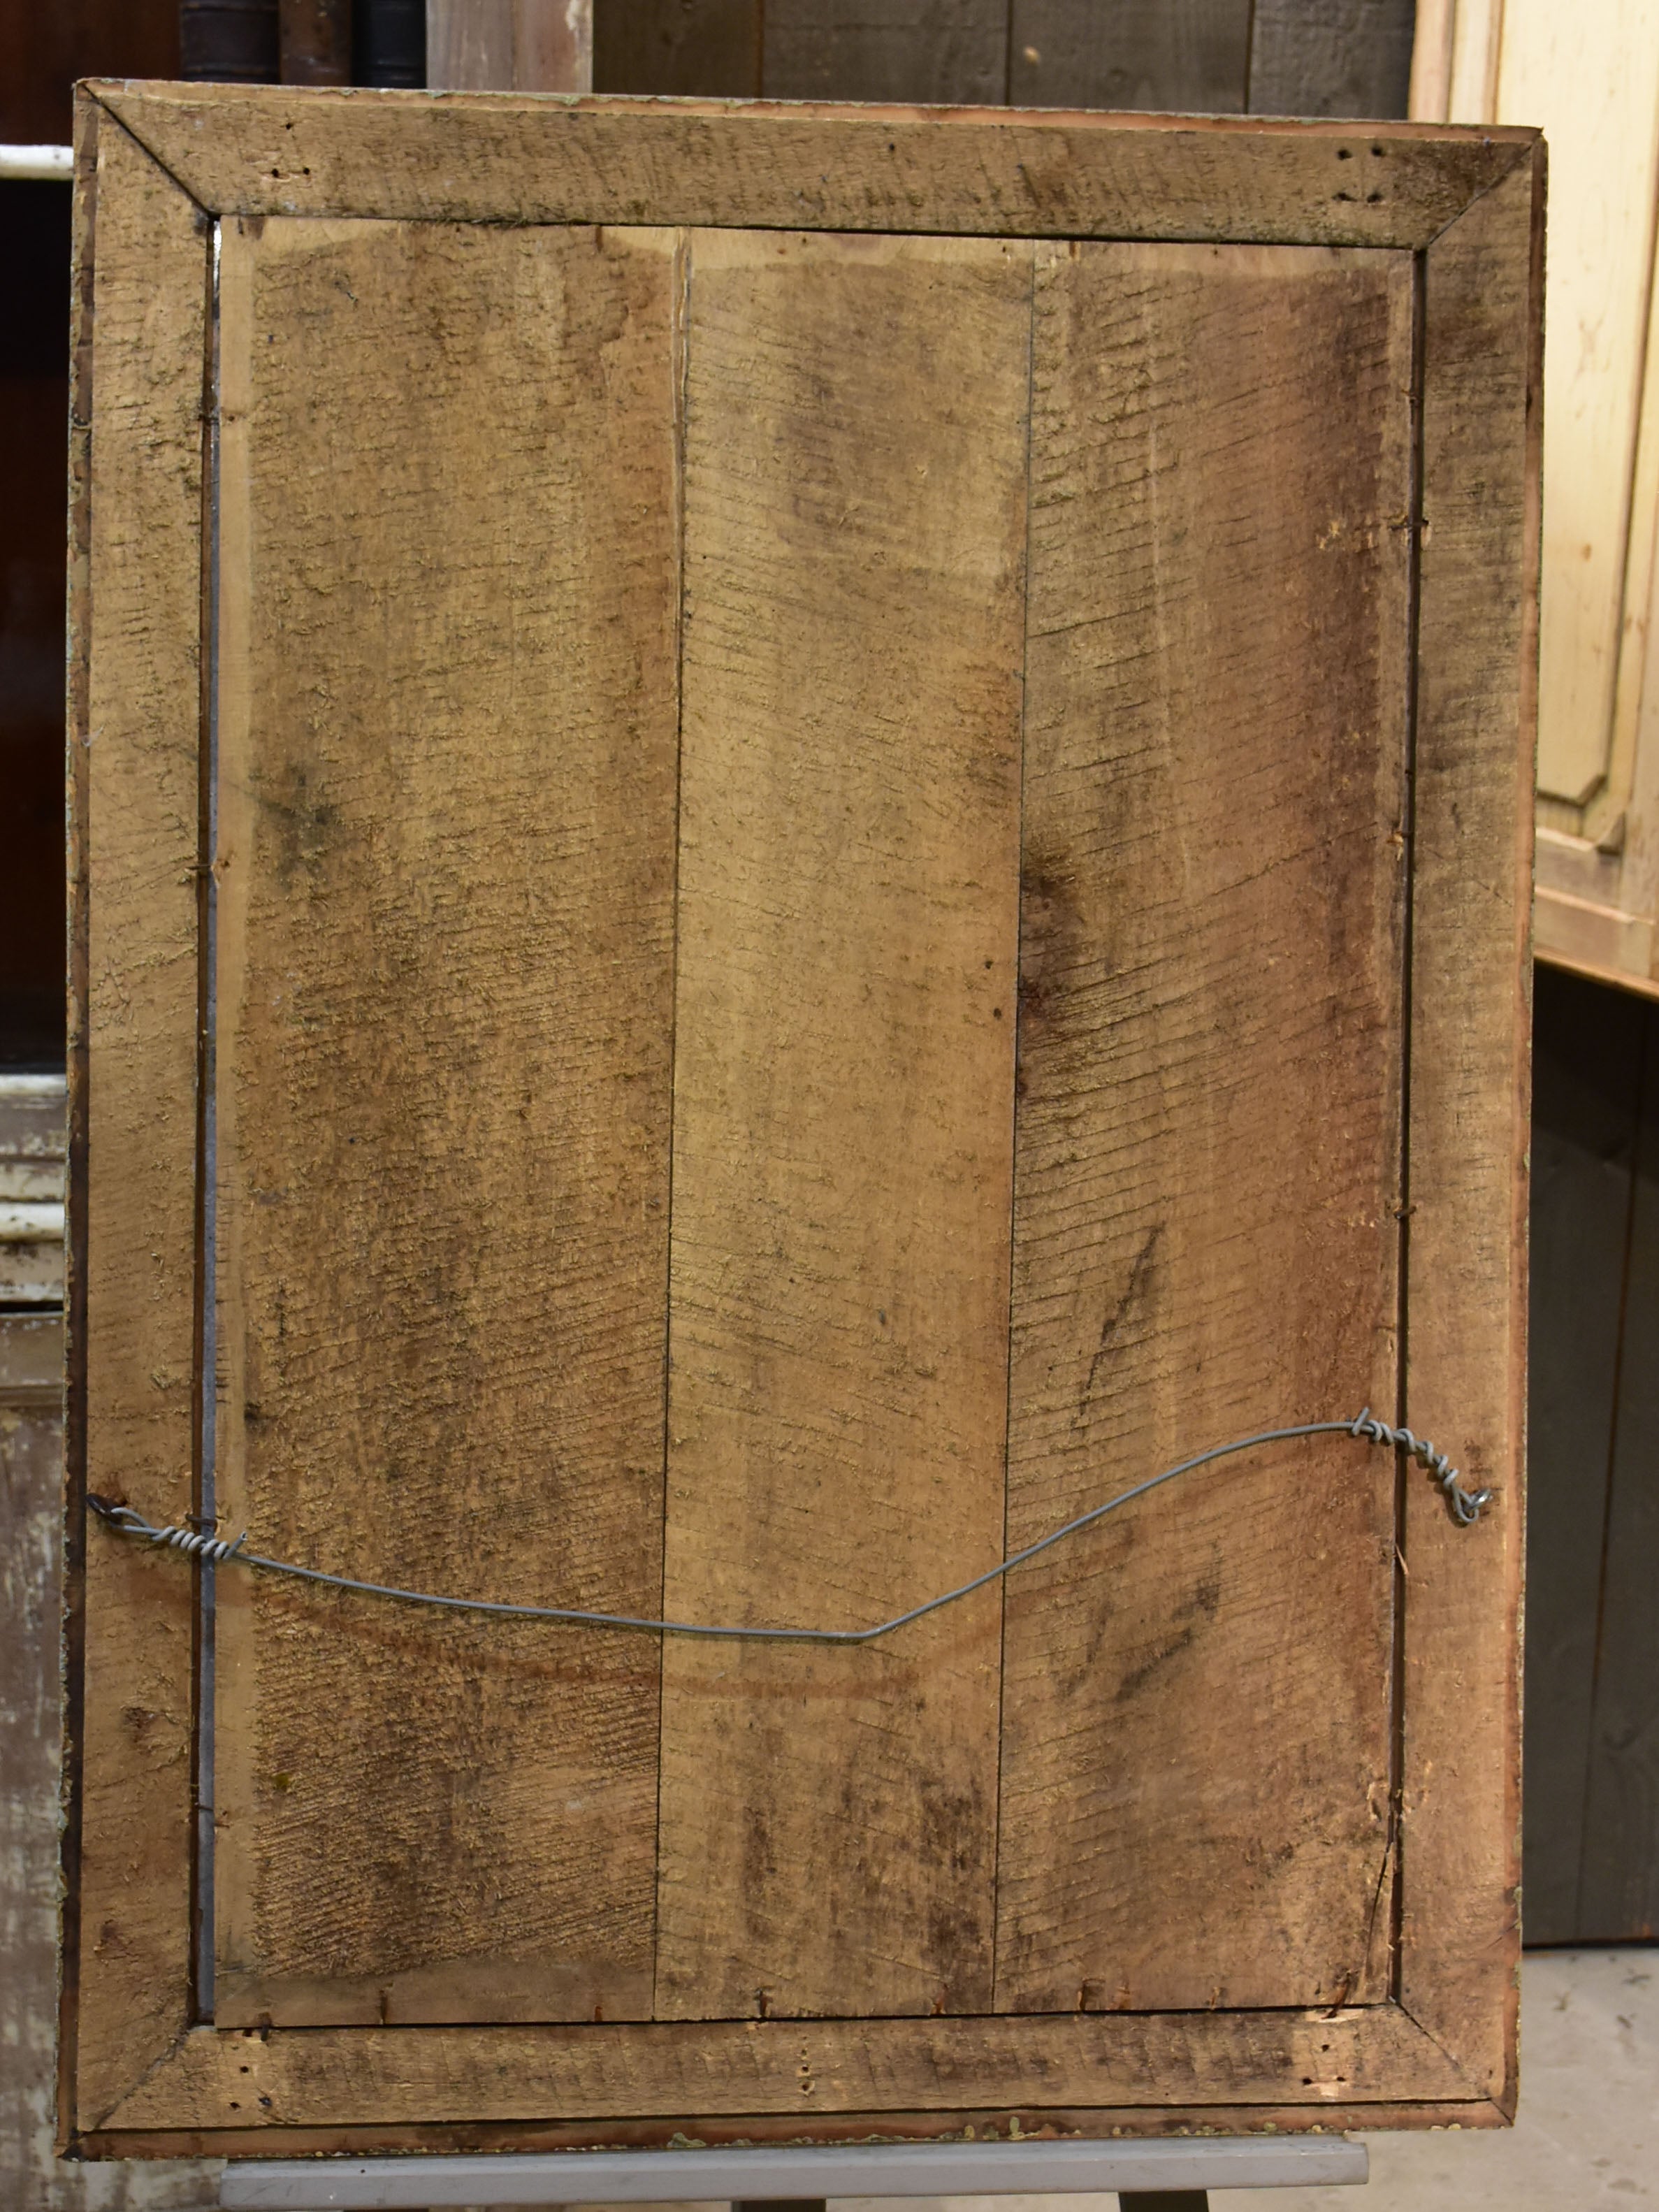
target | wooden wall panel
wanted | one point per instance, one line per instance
(509, 45)
(949, 51)
(855, 535)
(1207, 57)
(705, 48)
(1586, 1095)
(1174, 55)
(445, 858)
(1330, 56)
(1618, 1885)
(1211, 989)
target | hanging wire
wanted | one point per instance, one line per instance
(1466, 1507)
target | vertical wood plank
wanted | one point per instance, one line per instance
(509, 45)
(135, 589)
(705, 49)
(1619, 1894)
(447, 771)
(1176, 56)
(1466, 1349)
(855, 477)
(1331, 57)
(949, 51)
(1587, 1085)
(1195, 1763)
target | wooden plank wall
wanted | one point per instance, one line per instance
(1591, 1843)
(1217, 56)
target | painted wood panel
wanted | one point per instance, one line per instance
(1591, 82)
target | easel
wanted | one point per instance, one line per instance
(1167, 2173)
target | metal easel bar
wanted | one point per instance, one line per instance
(1168, 2163)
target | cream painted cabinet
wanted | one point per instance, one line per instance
(1590, 76)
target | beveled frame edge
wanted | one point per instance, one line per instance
(498, 157)
(1480, 2099)
(78, 721)
(133, 737)
(1464, 1359)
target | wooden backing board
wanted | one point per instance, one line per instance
(517, 1285)
(1210, 984)
(810, 507)
(855, 550)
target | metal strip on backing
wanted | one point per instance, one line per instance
(963, 2169)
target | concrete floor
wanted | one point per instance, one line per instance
(1588, 2130)
(1587, 2134)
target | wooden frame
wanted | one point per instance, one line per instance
(159, 169)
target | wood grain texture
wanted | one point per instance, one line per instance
(1618, 1885)
(1209, 1021)
(705, 49)
(509, 45)
(1007, 2123)
(1588, 84)
(953, 52)
(1331, 57)
(1467, 1273)
(332, 2076)
(1586, 1095)
(843, 1084)
(460, 970)
(260, 150)
(134, 768)
(446, 860)
(1178, 56)
(31, 1725)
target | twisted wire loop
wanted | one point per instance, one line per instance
(193, 1542)
(1466, 1507)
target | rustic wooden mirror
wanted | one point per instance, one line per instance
(801, 836)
